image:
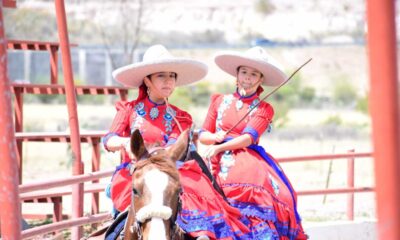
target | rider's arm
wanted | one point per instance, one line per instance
(241, 141)
(117, 137)
(207, 133)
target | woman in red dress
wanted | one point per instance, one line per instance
(156, 77)
(251, 179)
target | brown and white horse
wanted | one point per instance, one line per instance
(156, 188)
(155, 194)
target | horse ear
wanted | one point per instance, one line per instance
(137, 145)
(178, 149)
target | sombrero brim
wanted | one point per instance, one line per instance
(230, 61)
(187, 70)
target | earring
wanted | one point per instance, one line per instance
(148, 91)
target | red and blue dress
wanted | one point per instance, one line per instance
(251, 179)
(197, 191)
(156, 125)
(262, 203)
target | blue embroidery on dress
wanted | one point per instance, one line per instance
(254, 105)
(168, 117)
(274, 185)
(226, 162)
(139, 106)
(138, 120)
(194, 221)
(239, 104)
(263, 230)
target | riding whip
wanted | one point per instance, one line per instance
(269, 94)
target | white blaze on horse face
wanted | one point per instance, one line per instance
(156, 181)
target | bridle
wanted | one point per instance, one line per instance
(135, 219)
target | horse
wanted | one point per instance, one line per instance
(155, 194)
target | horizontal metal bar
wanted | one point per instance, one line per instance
(33, 45)
(61, 191)
(60, 89)
(324, 157)
(64, 225)
(64, 181)
(9, 3)
(87, 137)
(335, 191)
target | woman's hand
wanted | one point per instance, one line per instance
(126, 146)
(212, 151)
(219, 136)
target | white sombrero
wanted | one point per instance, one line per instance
(255, 57)
(158, 59)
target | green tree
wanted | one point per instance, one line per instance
(181, 97)
(344, 93)
(362, 104)
(29, 23)
(307, 95)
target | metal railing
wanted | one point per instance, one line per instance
(89, 219)
(350, 189)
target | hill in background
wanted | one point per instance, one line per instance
(185, 23)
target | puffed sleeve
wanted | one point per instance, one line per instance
(211, 118)
(120, 125)
(185, 120)
(259, 122)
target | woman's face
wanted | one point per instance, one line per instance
(249, 79)
(164, 84)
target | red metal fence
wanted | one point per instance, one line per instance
(30, 190)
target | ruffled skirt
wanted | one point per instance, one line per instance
(262, 203)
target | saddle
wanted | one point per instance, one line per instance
(110, 231)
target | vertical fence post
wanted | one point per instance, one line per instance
(95, 168)
(350, 184)
(53, 51)
(77, 189)
(384, 108)
(19, 113)
(10, 213)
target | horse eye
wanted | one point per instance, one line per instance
(135, 192)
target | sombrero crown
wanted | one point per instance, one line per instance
(158, 59)
(255, 57)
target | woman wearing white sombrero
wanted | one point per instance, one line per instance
(251, 179)
(155, 77)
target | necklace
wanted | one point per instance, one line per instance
(154, 110)
(154, 113)
(239, 102)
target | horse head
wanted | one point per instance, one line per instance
(155, 190)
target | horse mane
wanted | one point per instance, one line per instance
(163, 163)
